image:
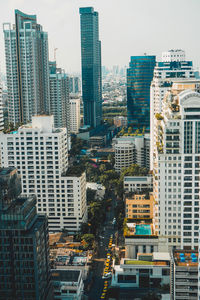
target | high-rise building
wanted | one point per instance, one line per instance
(74, 85)
(91, 67)
(27, 68)
(24, 252)
(75, 117)
(177, 165)
(173, 66)
(40, 153)
(139, 77)
(1, 110)
(59, 96)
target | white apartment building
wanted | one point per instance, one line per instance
(131, 150)
(75, 115)
(177, 166)
(172, 67)
(40, 153)
(1, 110)
(138, 183)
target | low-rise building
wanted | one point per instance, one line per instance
(67, 284)
(147, 271)
(98, 188)
(184, 275)
(138, 183)
(139, 207)
(120, 121)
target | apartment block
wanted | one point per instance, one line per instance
(1, 110)
(40, 153)
(131, 150)
(177, 165)
(138, 183)
(75, 117)
(139, 207)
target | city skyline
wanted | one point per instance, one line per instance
(125, 29)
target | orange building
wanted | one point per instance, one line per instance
(139, 207)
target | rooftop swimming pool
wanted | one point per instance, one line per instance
(143, 229)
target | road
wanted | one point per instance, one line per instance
(106, 230)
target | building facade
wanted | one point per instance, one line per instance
(172, 67)
(27, 68)
(139, 77)
(139, 207)
(91, 67)
(1, 110)
(75, 117)
(40, 153)
(138, 184)
(176, 165)
(131, 150)
(24, 252)
(59, 96)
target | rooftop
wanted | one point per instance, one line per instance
(65, 275)
(186, 258)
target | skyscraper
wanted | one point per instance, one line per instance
(91, 67)
(172, 67)
(59, 96)
(27, 68)
(24, 251)
(1, 110)
(139, 77)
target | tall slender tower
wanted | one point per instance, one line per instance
(27, 68)
(91, 67)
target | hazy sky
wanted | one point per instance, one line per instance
(127, 27)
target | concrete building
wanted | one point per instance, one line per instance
(131, 150)
(67, 284)
(24, 251)
(177, 167)
(59, 96)
(148, 271)
(75, 117)
(139, 207)
(172, 67)
(138, 183)
(184, 275)
(39, 152)
(27, 68)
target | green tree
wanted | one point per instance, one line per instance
(88, 240)
(129, 130)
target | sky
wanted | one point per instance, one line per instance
(126, 27)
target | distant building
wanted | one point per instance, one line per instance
(139, 77)
(75, 117)
(91, 67)
(120, 121)
(68, 284)
(184, 275)
(59, 96)
(138, 183)
(40, 153)
(131, 150)
(139, 207)
(24, 256)
(74, 85)
(27, 68)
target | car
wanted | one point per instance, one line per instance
(102, 297)
(108, 275)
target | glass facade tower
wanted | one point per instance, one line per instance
(27, 68)
(139, 77)
(91, 67)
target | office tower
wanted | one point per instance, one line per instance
(173, 66)
(131, 150)
(91, 67)
(177, 165)
(24, 252)
(74, 85)
(139, 77)
(27, 68)
(40, 153)
(74, 115)
(1, 110)
(59, 96)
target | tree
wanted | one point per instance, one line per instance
(88, 240)
(129, 130)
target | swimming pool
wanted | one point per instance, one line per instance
(143, 229)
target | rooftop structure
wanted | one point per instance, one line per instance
(138, 184)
